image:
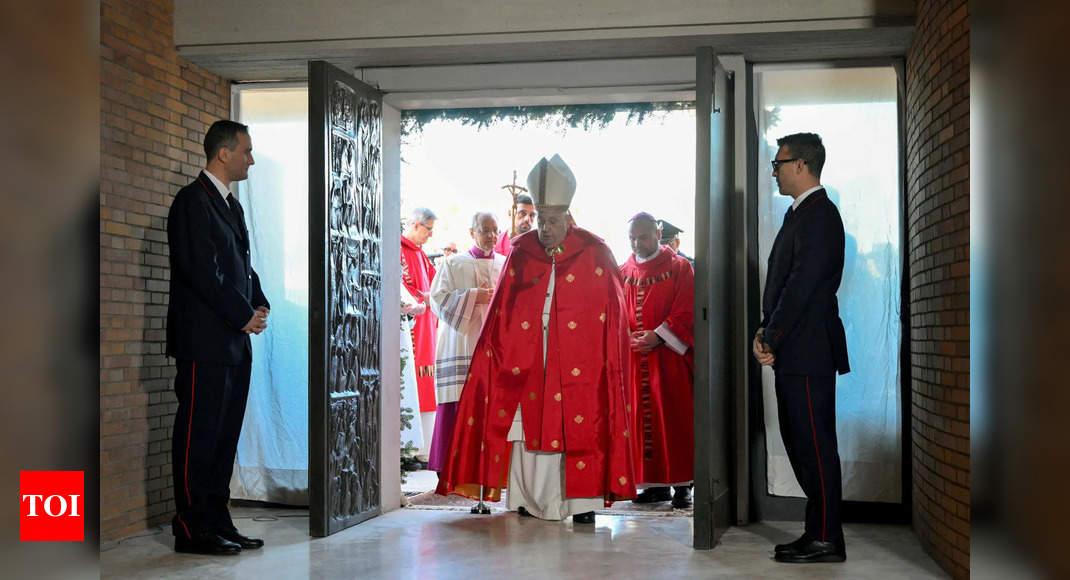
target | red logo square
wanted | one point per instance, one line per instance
(52, 506)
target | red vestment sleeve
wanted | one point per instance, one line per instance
(681, 319)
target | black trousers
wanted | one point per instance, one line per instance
(806, 406)
(211, 407)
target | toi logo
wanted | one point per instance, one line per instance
(52, 506)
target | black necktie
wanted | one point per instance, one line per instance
(233, 203)
(787, 216)
(236, 210)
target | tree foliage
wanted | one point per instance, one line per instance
(594, 116)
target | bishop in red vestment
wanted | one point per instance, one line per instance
(659, 289)
(417, 272)
(554, 344)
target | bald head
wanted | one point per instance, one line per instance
(644, 235)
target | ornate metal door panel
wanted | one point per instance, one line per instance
(345, 298)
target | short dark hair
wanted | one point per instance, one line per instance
(805, 146)
(524, 199)
(221, 134)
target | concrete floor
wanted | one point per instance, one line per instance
(451, 543)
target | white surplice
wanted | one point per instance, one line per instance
(453, 300)
(410, 398)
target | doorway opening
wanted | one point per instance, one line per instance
(459, 162)
(623, 166)
(855, 109)
(284, 170)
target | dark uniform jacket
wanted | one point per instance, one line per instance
(214, 290)
(802, 320)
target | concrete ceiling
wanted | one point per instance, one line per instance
(289, 60)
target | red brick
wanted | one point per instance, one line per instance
(147, 154)
(937, 185)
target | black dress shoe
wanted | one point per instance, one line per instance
(245, 542)
(803, 539)
(523, 512)
(815, 551)
(682, 497)
(653, 495)
(584, 518)
(206, 543)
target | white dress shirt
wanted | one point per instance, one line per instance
(804, 195)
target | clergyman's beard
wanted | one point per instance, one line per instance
(523, 228)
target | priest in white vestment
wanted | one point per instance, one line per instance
(459, 295)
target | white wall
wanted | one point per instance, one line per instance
(390, 348)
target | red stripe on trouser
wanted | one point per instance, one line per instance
(189, 430)
(820, 472)
(184, 527)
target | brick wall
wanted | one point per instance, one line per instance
(155, 109)
(938, 222)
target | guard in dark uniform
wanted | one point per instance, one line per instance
(215, 304)
(670, 236)
(802, 337)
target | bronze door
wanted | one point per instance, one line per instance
(345, 299)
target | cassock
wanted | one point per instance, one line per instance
(659, 293)
(453, 299)
(567, 381)
(416, 275)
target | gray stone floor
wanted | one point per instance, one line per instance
(451, 543)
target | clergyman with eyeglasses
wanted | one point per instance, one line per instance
(417, 272)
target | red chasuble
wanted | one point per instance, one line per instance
(659, 291)
(416, 275)
(578, 408)
(504, 245)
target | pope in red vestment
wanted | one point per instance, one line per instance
(659, 291)
(571, 394)
(416, 275)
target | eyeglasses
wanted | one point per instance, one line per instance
(777, 162)
(424, 226)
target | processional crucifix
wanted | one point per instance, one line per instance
(514, 190)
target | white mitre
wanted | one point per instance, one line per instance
(551, 183)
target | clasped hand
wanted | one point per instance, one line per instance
(484, 294)
(414, 309)
(644, 340)
(761, 350)
(258, 323)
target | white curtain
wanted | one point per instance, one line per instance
(272, 460)
(854, 110)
